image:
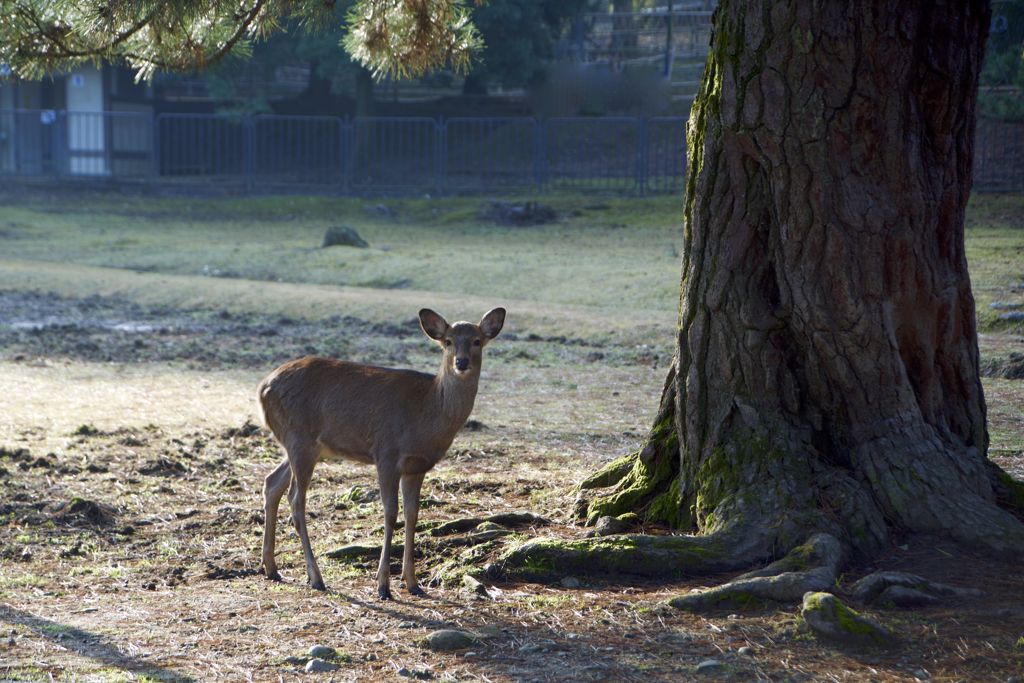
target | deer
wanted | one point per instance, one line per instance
(400, 421)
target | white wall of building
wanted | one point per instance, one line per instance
(86, 140)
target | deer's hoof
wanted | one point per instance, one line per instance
(384, 593)
(319, 586)
(417, 591)
(274, 576)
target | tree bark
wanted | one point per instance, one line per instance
(827, 346)
(624, 35)
(826, 378)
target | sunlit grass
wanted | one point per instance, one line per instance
(620, 253)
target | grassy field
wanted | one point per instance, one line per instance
(592, 259)
(133, 330)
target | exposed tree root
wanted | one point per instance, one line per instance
(666, 557)
(903, 590)
(484, 529)
(504, 519)
(813, 566)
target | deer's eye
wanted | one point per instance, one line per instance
(447, 342)
(476, 342)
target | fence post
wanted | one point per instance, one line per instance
(441, 149)
(151, 140)
(58, 141)
(641, 153)
(248, 152)
(538, 140)
(157, 161)
(345, 154)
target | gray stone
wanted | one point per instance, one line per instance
(377, 210)
(710, 667)
(571, 582)
(746, 651)
(1014, 316)
(607, 526)
(529, 649)
(315, 665)
(322, 652)
(833, 620)
(921, 675)
(1003, 306)
(474, 585)
(516, 213)
(343, 236)
(449, 639)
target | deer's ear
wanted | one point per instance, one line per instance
(434, 326)
(492, 323)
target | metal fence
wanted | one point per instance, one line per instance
(481, 155)
(391, 155)
(999, 156)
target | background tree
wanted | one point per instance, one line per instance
(624, 33)
(519, 38)
(330, 62)
(332, 73)
(404, 38)
(1002, 77)
(825, 393)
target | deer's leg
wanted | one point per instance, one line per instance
(274, 487)
(388, 480)
(302, 457)
(411, 484)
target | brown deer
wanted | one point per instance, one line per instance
(400, 421)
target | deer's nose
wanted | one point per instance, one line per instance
(462, 364)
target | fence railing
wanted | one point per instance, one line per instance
(391, 155)
(999, 156)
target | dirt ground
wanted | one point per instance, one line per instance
(131, 551)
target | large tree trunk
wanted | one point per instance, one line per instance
(826, 377)
(827, 332)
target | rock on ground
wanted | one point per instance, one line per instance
(516, 213)
(322, 652)
(342, 235)
(449, 639)
(833, 620)
(320, 665)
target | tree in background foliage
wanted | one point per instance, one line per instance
(331, 71)
(519, 38)
(1002, 78)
